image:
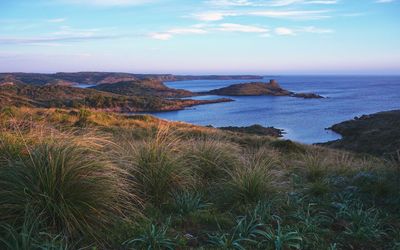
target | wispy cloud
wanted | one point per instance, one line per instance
(108, 2)
(276, 3)
(293, 14)
(213, 16)
(56, 20)
(167, 35)
(237, 28)
(284, 31)
(384, 1)
(233, 27)
(277, 14)
(47, 40)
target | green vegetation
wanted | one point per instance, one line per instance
(73, 179)
(56, 96)
(376, 134)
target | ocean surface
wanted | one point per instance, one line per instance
(303, 120)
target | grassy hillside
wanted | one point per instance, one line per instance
(377, 134)
(104, 77)
(73, 179)
(146, 87)
(70, 97)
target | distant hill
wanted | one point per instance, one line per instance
(71, 97)
(105, 77)
(258, 89)
(143, 87)
(377, 134)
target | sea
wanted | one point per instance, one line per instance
(303, 120)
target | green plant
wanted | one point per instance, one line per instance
(363, 224)
(157, 167)
(249, 183)
(83, 118)
(154, 237)
(312, 224)
(245, 232)
(186, 202)
(73, 189)
(315, 166)
(211, 159)
(281, 238)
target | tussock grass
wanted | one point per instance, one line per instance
(72, 188)
(211, 160)
(254, 180)
(157, 166)
(110, 179)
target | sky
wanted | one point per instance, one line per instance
(201, 36)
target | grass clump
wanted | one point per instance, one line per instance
(157, 167)
(211, 159)
(153, 237)
(72, 189)
(250, 182)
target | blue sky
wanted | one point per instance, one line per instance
(202, 36)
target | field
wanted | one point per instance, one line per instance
(85, 179)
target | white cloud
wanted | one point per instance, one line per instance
(312, 29)
(108, 2)
(290, 2)
(282, 31)
(293, 14)
(233, 27)
(161, 36)
(180, 31)
(213, 16)
(281, 14)
(230, 2)
(167, 35)
(384, 1)
(258, 3)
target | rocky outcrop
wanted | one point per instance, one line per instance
(258, 89)
(256, 129)
(377, 134)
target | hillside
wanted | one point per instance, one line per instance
(70, 97)
(377, 134)
(143, 87)
(84, 179)
(105, 77)
(258, 89)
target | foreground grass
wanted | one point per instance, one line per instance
(85, 179)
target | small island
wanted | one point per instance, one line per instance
(259, 89)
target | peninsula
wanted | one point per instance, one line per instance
(376, 134)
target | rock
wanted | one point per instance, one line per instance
(256, 130)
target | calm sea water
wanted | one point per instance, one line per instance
(304, 120)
